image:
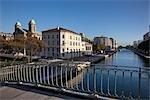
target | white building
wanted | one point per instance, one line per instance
(64, 43)
(61, 43)
(109, 43)
(7, 36)
(87, 48)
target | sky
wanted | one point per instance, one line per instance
(123, 20)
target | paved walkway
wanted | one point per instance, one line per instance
(25, 93)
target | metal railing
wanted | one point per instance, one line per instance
(120, 82)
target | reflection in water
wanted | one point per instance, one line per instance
(126, 58)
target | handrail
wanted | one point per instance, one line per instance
(98, 79)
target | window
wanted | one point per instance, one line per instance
(73, 43)
(63, 36)
(71, 50)
(79, 38)
(70, 42)
(53, 36)
(63, 50)
(76, 44)
(57, 42)
(57, 36)
(48, 36)
(70, 37)
(79, 44)
(67, 49)
(57, 49)
(48, 49)
(48, 42)
(63, 42)
(76, 38)
(53, 49)
(63, 54)
(53, 42)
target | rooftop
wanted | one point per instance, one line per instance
(59, 29)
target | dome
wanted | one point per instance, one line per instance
(18, 24)
(32, 21)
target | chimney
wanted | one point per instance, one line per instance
(57, 27)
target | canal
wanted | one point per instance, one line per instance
(126, 57)
(121, 83)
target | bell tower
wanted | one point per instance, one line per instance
(32, 26)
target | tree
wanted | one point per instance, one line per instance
(99, 47)
(33, 45)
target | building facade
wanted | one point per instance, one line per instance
(62, 43)
(87, 48)
(109, 43)
(7, 36)
(146, 36)
(21, 32)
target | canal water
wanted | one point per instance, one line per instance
(126, 83)
(126, 58)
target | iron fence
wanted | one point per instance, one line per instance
(120, 82)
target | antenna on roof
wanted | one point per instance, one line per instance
(149, 28)
(57, 27)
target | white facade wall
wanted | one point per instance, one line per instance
(62, 44)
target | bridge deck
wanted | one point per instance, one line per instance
(26, 93)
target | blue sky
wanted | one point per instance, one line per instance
(124, 20)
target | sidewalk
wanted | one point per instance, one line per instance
(25, 93)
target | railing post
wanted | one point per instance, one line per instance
(21, 78)
(13, 75)
(44, 67)
(66, 71)
(94, 78)
(37, 74)
(102, 81)
(115, 83)
(71, 77)
(52, 81)
(87, 78)
(122, 92)
(130, 93)
(24, 73)
(56, 75)
(139, 85)
(108, 83)
(82, 80)
(33, 73)
(8, 71)
(19, 73)
(27, 73)
(30, 71)
(61, 73)
(48, 74)
(77, 78)
(40, 69)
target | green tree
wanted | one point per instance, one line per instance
(33, 45)
(99, 47)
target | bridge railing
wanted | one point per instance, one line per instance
(97, 80)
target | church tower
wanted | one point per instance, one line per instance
(32, 26)
(17, 25)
